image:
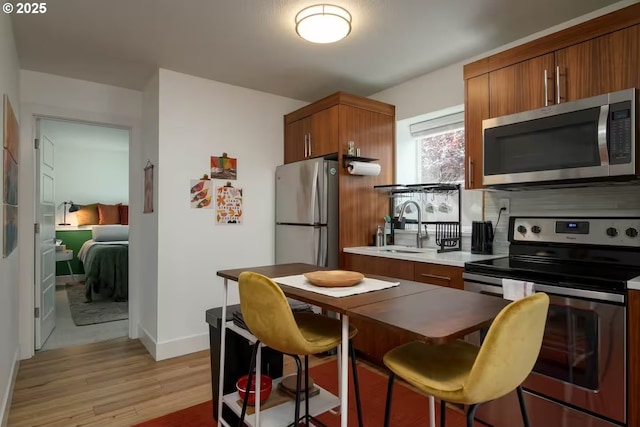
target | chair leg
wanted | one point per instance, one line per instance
(252, 365)
(523, 408)
(443, 411)
(298, 389)
(471, 412)
(356, 384)
(306, 390)
(387, 409)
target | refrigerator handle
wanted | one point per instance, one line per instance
(317, 208)
(322, 248)
(320, 187)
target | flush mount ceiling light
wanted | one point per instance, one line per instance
(323, 23)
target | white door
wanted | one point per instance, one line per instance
(45, 255)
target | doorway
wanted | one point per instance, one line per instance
(82, 191)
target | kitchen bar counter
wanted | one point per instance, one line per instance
(634, 284)
(428, 255)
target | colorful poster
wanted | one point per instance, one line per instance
(228, 205)
(223, 167)
(201, 194)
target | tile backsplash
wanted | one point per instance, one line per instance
(613, 200)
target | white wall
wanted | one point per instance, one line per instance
(198, 119)
(149, 223)
(46, 95)
(92, 165)
(9, 281)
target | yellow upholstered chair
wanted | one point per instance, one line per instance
(267, 314)
(463, 373)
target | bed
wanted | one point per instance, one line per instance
(106, 262)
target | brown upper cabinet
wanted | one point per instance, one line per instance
(520, 87)
(312, 136)
(296, 136)
(476, 110)
(589, 59)
(314, 130)
(602, 65)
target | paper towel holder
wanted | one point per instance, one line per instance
(348, 159)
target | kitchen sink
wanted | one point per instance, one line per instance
(402, 251)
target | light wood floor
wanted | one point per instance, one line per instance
(111, 383)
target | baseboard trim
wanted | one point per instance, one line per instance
(6, 403)
(62, 280)
(181, 346)
(147, 341)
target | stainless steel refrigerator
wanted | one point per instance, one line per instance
(307, 212)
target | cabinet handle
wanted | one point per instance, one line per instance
(435, 276)
(309, 145)
(305, 145)
(558, 97)
(470, 172)
(546, 88)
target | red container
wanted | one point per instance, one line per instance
(265, 388)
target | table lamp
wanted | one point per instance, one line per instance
(72, 208)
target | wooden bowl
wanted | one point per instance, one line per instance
(334, 278)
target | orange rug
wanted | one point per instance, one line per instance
(407, 409)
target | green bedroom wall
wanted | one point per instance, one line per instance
(74, 240)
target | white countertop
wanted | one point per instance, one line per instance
(456, 259)
(634, 284)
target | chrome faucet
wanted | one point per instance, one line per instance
(419, 236)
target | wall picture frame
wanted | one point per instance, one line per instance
(10, 149)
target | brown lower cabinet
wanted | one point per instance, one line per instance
(373, 341)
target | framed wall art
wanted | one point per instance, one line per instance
(10, 148)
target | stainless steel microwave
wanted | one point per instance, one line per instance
(592, 139)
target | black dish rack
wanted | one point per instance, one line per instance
(448, 233)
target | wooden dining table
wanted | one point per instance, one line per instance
(429, 313)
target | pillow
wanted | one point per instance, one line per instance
(110, 233)
(124, 214)
(87, 214)
(108, 214)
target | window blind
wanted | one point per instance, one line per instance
(437, 125)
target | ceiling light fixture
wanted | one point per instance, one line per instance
(323, 23)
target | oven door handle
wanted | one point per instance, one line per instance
(579, 293)
(555, 290)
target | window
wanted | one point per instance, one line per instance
(441, 155)
(430, 150)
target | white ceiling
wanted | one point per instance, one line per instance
(81, 135)
(253, 44)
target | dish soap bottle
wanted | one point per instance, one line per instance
(380, 236)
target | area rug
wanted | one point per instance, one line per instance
(409, 408)
(101, 310)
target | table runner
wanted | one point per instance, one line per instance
(366, 285)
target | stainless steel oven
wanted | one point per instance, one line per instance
(583, 264)
(590, 139)
(581, 362)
